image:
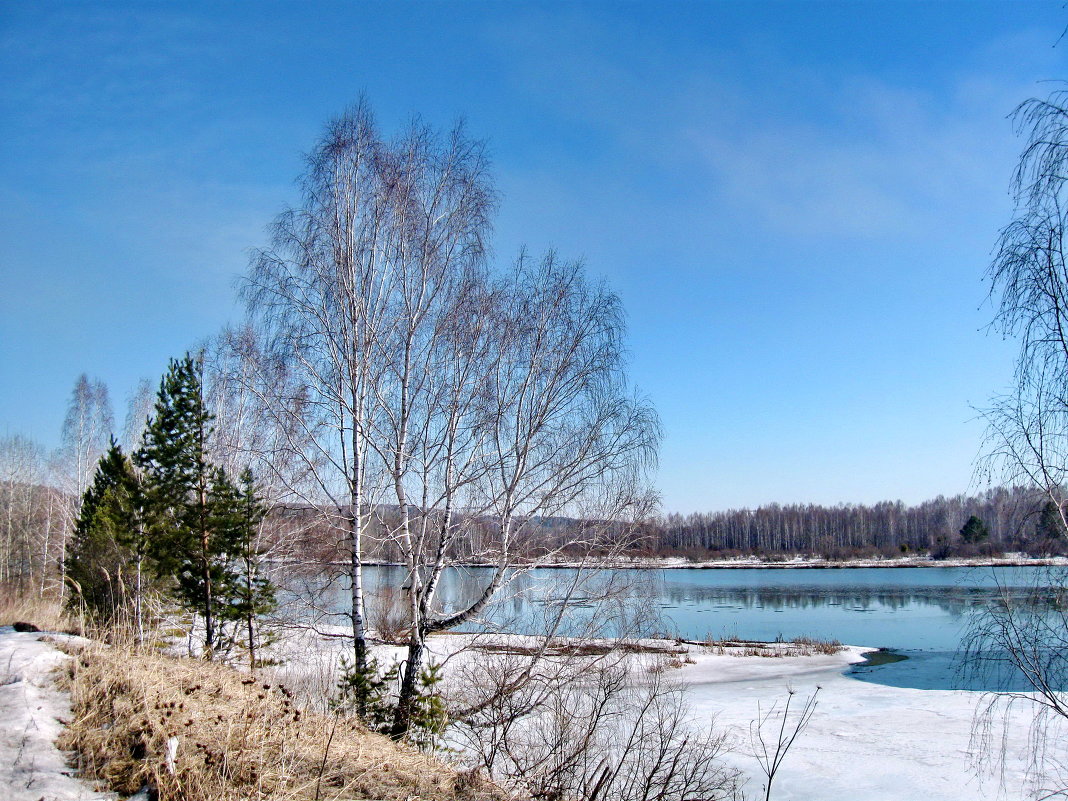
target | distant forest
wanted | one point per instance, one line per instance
(1013, 521)
(1017, 520)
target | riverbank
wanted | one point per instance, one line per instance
(816, 562)
(864, 740)
(786, 563)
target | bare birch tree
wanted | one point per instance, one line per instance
(1028, 427)
(139, 407)
(30, 515)
(382, 229)
(1029, 276)
(526, 416)
(455, 409)
(87, 429)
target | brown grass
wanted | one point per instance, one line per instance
(814, 646)
(46, 612)
(388, 616)
(798, 646)
(237, 738)
(578, 648)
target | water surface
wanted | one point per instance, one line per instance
(922, 613)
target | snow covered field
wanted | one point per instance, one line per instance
(865, 741)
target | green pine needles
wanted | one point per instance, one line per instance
(253, 595)
(974, 531)
(104, 566)
(1050, 525)
(368, 691)
(172, 510)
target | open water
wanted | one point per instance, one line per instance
(922, 614)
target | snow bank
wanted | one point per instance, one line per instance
(1011, 559)
(32, 711)
(865, 740)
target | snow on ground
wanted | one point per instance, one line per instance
(1007, 559)
(864, 740)
(32, 709)
(799, 561)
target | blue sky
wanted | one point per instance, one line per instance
(796, 201)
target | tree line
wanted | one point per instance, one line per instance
(41, 491)
(1013, 519)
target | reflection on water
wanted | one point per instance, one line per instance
(919, 612)
(953, 600)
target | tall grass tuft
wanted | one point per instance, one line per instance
(189, 729)
(45, 611)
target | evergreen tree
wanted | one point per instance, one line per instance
(974, 531)
(1050, 526)
(101, 550)
(192, 540)
(253, 595)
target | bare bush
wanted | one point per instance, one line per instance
(582, 710)
(604, 734)
(1018, 646)
(388, 614)
(773, 733)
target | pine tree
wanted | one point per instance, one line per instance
(192, 541)
(252, 595)
(1050, 526)
(102, 548)
(974, 531)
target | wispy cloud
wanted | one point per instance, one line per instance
(816, 153)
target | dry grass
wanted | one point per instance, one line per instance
(813, 646)
(44, 611)
(799, 646)
(237, 738)
(389, 618)
(579, 648)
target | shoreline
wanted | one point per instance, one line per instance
(740, 563)
(865, 740)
